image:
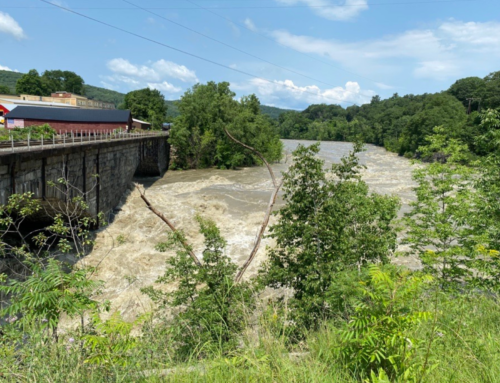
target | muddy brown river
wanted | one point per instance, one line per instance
(236, 200)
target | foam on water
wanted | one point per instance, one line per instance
(236, 200)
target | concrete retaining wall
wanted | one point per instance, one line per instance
(102, 171)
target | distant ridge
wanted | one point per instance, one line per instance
(9, 79)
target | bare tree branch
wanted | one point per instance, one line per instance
(263, 227)
(170, 224)
(275, 183)
(272, 201)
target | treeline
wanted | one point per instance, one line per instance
(399, 123)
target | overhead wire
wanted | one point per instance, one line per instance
(284, 85)
(260, 7)
(227, 45)
(283, 45)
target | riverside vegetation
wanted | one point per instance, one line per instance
(337, 310)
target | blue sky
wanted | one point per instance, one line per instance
(301, 51)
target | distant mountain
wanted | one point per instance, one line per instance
(102, 94)
(273, 111)
(9, 79)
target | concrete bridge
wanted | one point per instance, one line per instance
(115, 159)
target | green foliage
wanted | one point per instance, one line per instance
(446, 227)
(102, 94)
(22, 134)
(31, 83)
(148, 105)
(199, 137)
(9, 79)
(47, 293)
(110, 343)
(121, 239)
(5, 89)
(326, 226)
(213, 307)
(469, 87)
(378, 340)
(66, 81)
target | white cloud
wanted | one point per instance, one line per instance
(164, 87)
(449, 50)
(476, 34)
(10, 26)
(439, 70)
(250, 25)
(7, 68)
(286, 93)
(155, 71)
(170, 69)
(383, 86)
(325, 8)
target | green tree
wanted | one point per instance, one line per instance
(5, 89)
(326, 227)
(469, 87)
(58, 80)
(148, 105)
(213, 306)
(492, 90)
(444, 221)
(31, 83)
(199, 134)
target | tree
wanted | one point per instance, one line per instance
(326, 227)
(31, 83)
(5, 89)
(199, 134)
(148, 105)
(58, 80)
(469, 87)
(446, 225)
(492, 90)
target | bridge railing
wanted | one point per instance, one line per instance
(75, 138)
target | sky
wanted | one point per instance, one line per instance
(290, 53)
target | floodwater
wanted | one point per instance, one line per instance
(236, 200)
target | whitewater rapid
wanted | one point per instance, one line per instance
(125, 250)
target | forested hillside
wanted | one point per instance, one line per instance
(399, 123)
(9, 79)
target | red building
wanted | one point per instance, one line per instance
(6, 108)
(66, 120)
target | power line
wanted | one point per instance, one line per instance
(228, 45)
(260, 7)
(277, 42)
(190, 54)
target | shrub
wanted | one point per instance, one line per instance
(377, 342)
(212, 306)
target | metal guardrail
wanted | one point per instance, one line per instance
(74, 139)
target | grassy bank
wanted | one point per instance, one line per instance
(467, 349)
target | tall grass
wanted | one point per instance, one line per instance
(467, 349)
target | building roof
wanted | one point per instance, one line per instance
(40, 103)
(70, 115)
